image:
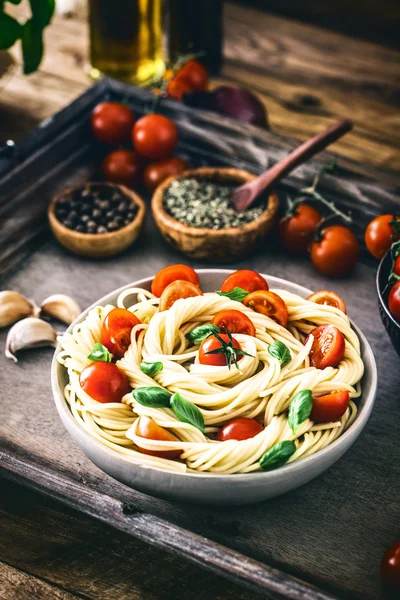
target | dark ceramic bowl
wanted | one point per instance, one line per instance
(391, 325)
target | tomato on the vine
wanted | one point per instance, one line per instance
(155, 136)
(104, 382)
(328, 298)
(269, 304)
(380, 234)
(241, 428)
(194, 75)
(296, 231)
(336, 253)
(234, 321)
(330, 407)
(396, 266)
(176, 88)
(328, 346)
(112, 123)
(211, 344)
(122, 167)
(156, 172)
(171, 273)
(116, 330)
(394, 300)
(390, 567)
(148, 429)
(176, 291)
(246, 279)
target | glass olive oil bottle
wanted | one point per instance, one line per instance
(126, 40)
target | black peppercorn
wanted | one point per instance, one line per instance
(96, 214)
(112, 226)
(91, 227)
(101, 229)
(85, 218)
(80, 228)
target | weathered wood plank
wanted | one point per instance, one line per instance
(17, 585)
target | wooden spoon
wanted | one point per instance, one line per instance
(246, 194)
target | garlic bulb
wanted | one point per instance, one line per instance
(29, 333)
(60, 307)
(14, 306)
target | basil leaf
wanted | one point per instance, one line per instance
(280, 351)
(238, 294)
(151, 368)
(42, 11)
(152, 397)
(10, 31)
(32, 46)
(202, 332)
(299, 409)
(187, 412)
(100, 352)
(278, 455)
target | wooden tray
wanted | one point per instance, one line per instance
(321, 541)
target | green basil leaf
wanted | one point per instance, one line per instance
(299, 409)
(278, 455)
(152, 397)
(151, 368)
(10, 31)
(187, 412)
(280, 351)
(32, 46)
(202, 332)
(238, 294)
(100, 352)
(14, 1)
(42, 12)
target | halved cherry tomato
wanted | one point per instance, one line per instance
(379, 234)
(104, 382)
(269, 304)
(390, 568)
(116, 330)
(112, 123)
(296, 231)
(241, 428)
(169, 274)
(147, 428)
(177, 290)
(156, 172)
(194, 75)
(328, 298)
(394, 300)
(336, 254)
(122, 167)
(396, 266)
(212, 343)
(155, 136)
(246, 279)
(234, 321)
(330, 407)
(328, 346)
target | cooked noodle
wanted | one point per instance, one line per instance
(259, 389)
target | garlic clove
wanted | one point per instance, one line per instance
(60, 307)
(29, 333)
(14, 306)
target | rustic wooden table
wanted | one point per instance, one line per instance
(306, 77)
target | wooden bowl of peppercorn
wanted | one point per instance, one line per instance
(96, 220)
(193, 213)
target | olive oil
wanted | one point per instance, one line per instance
(126, 40)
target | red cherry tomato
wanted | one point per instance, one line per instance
(394, 300)
(147, 428)
(178, 87)
(328, 298)
(234, 321)
(155, 173)
(269, 304)
(378, 235)
(104, 382)
(176, 291)
(239, 429)
(171, 273)
(330, 407)
(246, 279)
(390, 567)
(112, 123)
(116, 330)
(396, 266)
(337, 253)
(296, 231)
(122, 167)
(328, 346)
(155, 136)
(194, 75)
(212, 343)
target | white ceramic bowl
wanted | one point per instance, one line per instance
(209, 488)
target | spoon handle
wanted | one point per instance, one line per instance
(245, 195)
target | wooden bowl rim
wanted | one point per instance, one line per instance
(158, 209)
(77, 235)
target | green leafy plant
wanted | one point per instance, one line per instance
(30, 32)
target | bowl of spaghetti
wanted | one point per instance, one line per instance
(210, 387)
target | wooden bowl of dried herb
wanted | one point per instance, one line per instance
(194, 213)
